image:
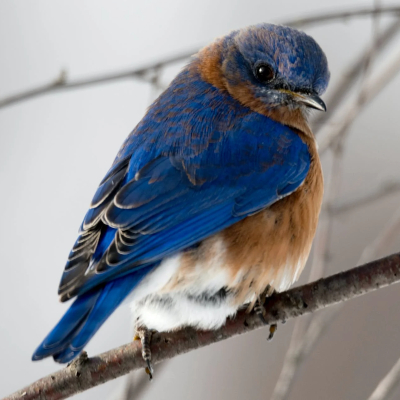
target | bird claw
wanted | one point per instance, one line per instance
(149, 369)
(272, 329)
(260, 311)
(144, 335)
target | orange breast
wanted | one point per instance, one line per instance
(267, 248)
(272, 246)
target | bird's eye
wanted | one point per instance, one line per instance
(264, 73)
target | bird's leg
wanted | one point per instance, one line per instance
(260, 310)
(144, 335)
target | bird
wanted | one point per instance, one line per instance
(212, 200)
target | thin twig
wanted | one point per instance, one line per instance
(387, 385)
(349, 78)
(58, 85)
(301, 347)
(299, 350)
(142, 73)
(84, 373)
(322, 240)
(345, 206)
(341, 15)
(390, 231)
(346, 118)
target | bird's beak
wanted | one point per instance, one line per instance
(309, 100)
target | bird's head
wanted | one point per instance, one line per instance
(273, 69)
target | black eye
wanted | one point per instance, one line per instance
(264, 73)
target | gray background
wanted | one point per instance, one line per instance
(54, 151)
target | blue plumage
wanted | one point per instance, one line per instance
(197, 163)
(84, 318)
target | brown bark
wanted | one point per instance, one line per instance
(86, 373)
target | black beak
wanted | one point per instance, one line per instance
(310, 100)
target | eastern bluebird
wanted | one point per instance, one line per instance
(213, 197)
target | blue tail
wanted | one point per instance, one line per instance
(85, 316)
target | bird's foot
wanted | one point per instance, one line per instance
(260, 311)
(144, 335)
(272, 329)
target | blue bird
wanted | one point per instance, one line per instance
(213, 197)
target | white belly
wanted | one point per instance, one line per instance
(166, 300)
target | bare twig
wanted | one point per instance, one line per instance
(353, 72)
(387, 384)
(84, 373)
(341, 15)
(344, 206)
(301, 347)
(143, 72)
(371, 89)
(391, 230)
(321, 243)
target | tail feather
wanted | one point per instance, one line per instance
(85, 316)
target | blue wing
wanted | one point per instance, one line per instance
(197, 163)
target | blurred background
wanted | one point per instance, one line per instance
(55, 149)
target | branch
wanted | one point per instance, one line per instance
(300, 348)
(382, 191)
(370, 90)
(390, 231)
(86, 373)
(302, 345)
(62, 83)
(387, 384)
(340, 91)
(341, 15)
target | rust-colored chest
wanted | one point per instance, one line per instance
(272, 246)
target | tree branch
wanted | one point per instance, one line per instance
(302, 345)
(62, 83)
(86, 373)
(385, 190)
(390, 231)
(353, 72)
(341, 15)
(387, 385)
(299, 349)
(370, 90)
